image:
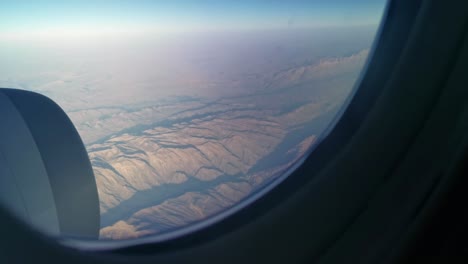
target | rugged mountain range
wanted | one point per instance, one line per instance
(163, 166)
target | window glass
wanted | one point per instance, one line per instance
(187, 108)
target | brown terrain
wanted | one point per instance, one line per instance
(163, 166)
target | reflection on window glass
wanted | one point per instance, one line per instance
(187, 107)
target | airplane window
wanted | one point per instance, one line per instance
(187, 108)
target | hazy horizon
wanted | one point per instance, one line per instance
(156, 49)
(206, 65)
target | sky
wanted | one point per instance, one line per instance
(80, 18)
(108, 47)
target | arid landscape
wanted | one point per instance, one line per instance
(178, 131)
(154, 177)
